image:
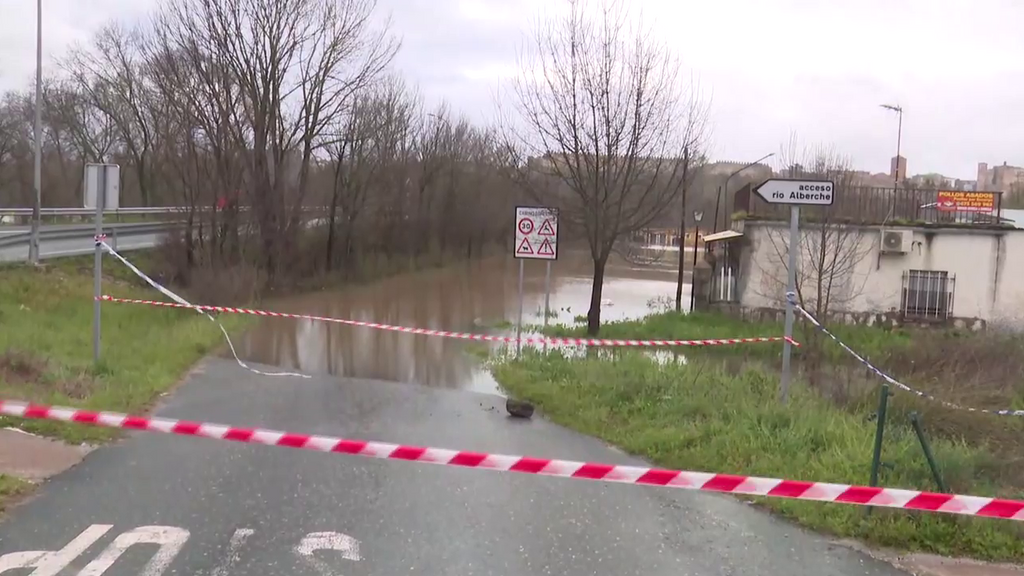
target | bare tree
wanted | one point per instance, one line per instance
(829, 274)
(601, 102)
(109, 73)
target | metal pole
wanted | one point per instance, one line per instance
(547, 293)
(787, 347)
(693, 271)
(915, 421)
(876, 455)
(899, 138)
(547, 298)
(97, 282)
(37, 178)
(519, 323)
(718, 202)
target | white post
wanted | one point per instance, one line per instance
(519, 324)
(794, 248)
(97, 282)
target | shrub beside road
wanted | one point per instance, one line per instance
(718, 411)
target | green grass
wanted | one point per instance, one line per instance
(46, 343)
(709, 415)
(870, 341)
(12, 488)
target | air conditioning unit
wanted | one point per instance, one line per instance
(896, 241)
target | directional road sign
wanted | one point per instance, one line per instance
(798, 192)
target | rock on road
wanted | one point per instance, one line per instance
(224, 509)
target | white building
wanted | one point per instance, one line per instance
(963, 274)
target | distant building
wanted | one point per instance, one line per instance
(876, 180)
(932, 180)
(999, 178)
(898, 168)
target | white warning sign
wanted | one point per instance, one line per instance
(536, 233)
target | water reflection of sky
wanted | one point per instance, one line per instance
(463, 298)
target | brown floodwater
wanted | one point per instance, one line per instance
(473, 297)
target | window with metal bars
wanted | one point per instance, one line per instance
(928, 294)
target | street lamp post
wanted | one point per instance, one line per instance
(719, 200)
(33, 245)
(899, 137)
(697, 217)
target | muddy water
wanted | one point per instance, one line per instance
(472, 297)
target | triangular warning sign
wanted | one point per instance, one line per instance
(545, 248)
(546, 229)
(524, 247)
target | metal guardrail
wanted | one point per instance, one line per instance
(91, 211)
(136, 210)
(87, 231)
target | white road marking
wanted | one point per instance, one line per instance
(16, 560)
(169, 538)
(237, 540)
(50, 563)
(347, 545)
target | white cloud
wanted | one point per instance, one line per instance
(773, 66)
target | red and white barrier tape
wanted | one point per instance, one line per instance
(748, 485)
(459, 335)
(182, 303)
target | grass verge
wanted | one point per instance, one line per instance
(870, 341)
(12, 488)
(46, 343)
(715, 414)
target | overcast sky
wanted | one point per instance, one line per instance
(818, 68)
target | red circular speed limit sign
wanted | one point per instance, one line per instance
(525, 226)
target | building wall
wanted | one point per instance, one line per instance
(898, 163)
(999, 178)
(986, 286)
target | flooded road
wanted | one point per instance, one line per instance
(478, 297)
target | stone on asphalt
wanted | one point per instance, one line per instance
(519, 408)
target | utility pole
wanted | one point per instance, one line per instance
(33, 245)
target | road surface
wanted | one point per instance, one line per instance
(223, 509)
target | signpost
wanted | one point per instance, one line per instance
(536, 239)
(102, 191)
(796, 193)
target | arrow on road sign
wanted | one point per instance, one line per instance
(800, 192)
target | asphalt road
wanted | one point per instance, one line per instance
(52, 248)
(221, 509)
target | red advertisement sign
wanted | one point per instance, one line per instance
(957, 201)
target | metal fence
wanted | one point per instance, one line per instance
(887, 205)
(928, 294)
(723, 285)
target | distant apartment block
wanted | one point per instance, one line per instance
(999, 178)
(898, 167)
(876, 180)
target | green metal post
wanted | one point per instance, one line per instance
(915, 421)
(876, 458)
